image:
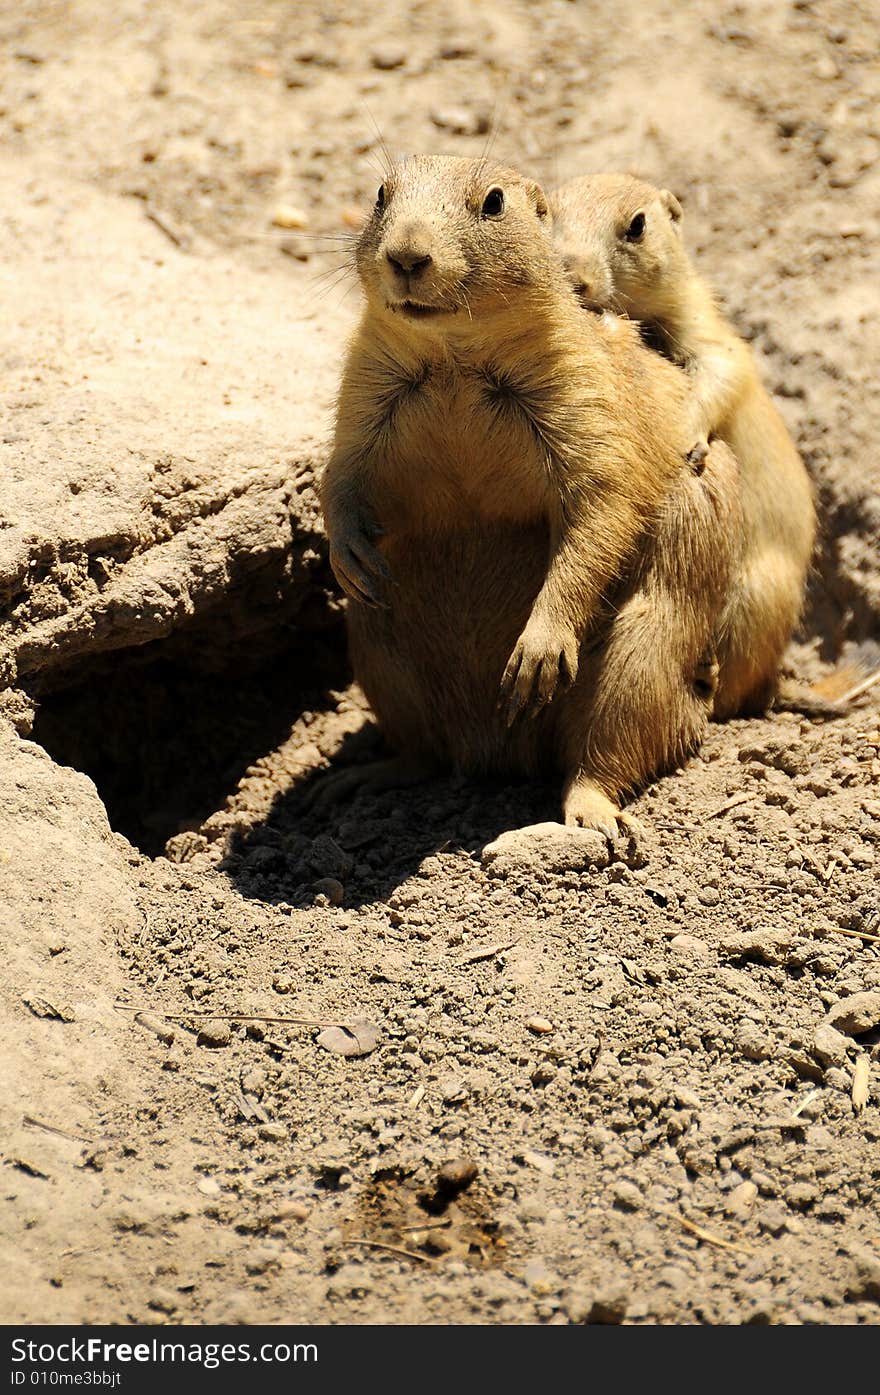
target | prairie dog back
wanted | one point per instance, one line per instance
(621, 244)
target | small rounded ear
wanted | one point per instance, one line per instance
(538, 198)
(671, 204)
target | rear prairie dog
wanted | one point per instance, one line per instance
(621, 244)
(500, 461)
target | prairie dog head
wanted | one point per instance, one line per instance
(620, 241)
(449, 240)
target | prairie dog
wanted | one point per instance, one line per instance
(500, 462)
(621, 243)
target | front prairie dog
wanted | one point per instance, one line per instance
(621, 243)
(500, 462)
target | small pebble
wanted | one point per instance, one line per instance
(387, 57)
(539, 1025)
(214, 1032)
(688, 944)
(291, 1211)
(456, 1175)
(286, 216)
(627, 1196)
(331, 888)
(460, 121)
(539, 1278)
(772, 1219)
(605, 1305)
(274, 1133)
(741, 1199)
(162, 1300)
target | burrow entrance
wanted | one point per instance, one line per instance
(167, 736)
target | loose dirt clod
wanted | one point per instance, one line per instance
(41, 1007)
(157, 1025)
(357, 1038)
(456, 1176)
(769, 946)
(215, 1032)
(856, 1014)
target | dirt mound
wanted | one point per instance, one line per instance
(634, 1083)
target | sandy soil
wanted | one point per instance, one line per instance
(614, 1087)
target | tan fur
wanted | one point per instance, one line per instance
(500, 464)
(651, 280)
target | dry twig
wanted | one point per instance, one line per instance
(709, 1236)
(732, 803)
(391, 1249)
(862, 687)
(33, 1123)
(178, 239)
(855, 934)
(235, 1017)
(477, 956)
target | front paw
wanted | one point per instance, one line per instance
(696, 456)
(544, 661)
(357, 563)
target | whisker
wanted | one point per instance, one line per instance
(376, 164)
(322, 285)
(328, 236)
(388, 158)
(345, 294)
(491, 136)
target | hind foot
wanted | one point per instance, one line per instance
(706, 676)
(339, 786)
(584, 805)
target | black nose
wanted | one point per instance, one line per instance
(582, 289)
(407, 262)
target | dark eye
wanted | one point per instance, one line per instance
(380, 197)
(636, 230)
(493, 204)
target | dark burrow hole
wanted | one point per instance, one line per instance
(167, 734)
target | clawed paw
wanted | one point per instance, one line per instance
(696, 456)
(357, 563)
(588, 807)
(544, 662)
